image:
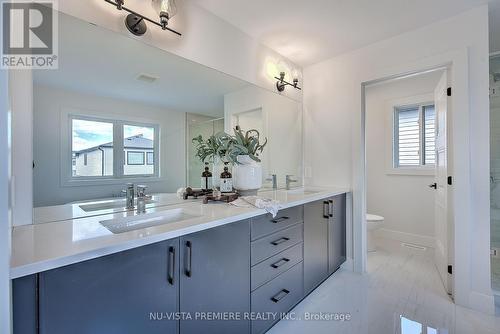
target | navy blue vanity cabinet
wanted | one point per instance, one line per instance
(336, 233)
(316, 220)
(324, 239)
(215, 278)
(134, 291)
(25, 305)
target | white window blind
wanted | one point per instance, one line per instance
(430, 135)
(408, 136)
(414, 136)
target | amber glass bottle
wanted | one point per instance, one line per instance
(226, 180)
(206, 178)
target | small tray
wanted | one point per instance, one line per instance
(226, 198)
(195, 193)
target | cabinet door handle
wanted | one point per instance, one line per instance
(279, 263)
(326, 209)
(171, 265)
(187, 261)
(279, 241)
(330, 208)
(279, 220)
(280, 295)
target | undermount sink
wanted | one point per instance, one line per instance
(126, 224)
(302, 191)
(116, 204)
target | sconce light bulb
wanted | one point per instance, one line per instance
(282, 76)
(166, 9)
(295, 82)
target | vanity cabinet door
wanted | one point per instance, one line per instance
(25, 305)
(215, 278)
(316, 218)
(337, 233)
(128, 292)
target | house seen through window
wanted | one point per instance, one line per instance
(94, 150)
(414, 136)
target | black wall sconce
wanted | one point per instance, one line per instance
(281, 83)
(135, 22)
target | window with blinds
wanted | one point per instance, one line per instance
(414, 136)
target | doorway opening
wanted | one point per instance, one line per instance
(407, 169)
(495, 174)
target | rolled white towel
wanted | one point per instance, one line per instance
(267, 204)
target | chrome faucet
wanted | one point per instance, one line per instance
(274, 179)
(288, 181)
(129, 192)
(141, 199)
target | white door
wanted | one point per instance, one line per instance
(441, 184)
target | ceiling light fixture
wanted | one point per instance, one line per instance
(135, 22)
(281, 83)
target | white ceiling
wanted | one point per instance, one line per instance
(310, 31)
(97, 61)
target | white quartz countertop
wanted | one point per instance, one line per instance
(44, 246)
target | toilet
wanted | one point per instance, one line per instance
(373, 223)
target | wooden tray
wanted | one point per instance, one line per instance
(229, 197)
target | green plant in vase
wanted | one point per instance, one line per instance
(242, 144)
(243, 151)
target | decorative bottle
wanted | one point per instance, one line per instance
(206, 178)
(226, 180)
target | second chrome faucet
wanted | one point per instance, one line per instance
(274, 179)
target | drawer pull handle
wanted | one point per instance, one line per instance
(330, 208)
(171, 265)
(280, 295)
(280, 219)
(279, 263)
(187, 261)
(279, 241)
(326, 209)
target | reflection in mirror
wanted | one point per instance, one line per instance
(119, 111)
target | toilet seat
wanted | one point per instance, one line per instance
(374, 218)
(373, 222)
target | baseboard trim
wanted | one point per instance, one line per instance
(348, 264)
(482, 302)
(416, 239)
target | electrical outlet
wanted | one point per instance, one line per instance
(495, 252)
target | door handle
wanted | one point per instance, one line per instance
(279, 241)
(279, 263)
(279, 220)
(280, 295)
(326, 209)
(433, 185)
(187, 261)
(171, 265)
(330, 208)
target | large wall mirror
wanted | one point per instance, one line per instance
(118, 111)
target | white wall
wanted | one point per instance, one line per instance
(50, 102)
(206, 39)
(5, 223)
(281, 124)
(405, 201)
(334, 133)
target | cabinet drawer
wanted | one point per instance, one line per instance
(272, 267)
(273, 244)
(266, 224)
(277, 296)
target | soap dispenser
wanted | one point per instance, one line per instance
(206, 178)
(226, 180)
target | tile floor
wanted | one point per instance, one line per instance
(401, 293)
